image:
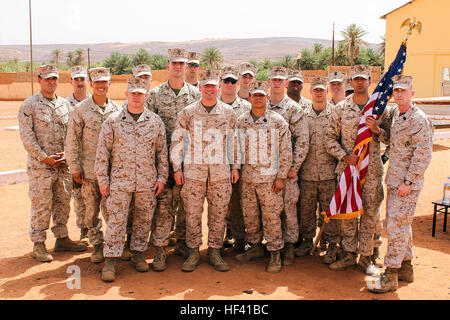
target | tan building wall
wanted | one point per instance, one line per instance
(428, 53)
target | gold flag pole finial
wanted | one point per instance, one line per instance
(411, 24)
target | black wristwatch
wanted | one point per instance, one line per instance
(407, 182)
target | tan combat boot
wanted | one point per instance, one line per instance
(330, 256)
(274, 265)
(255, 252)
(65, 244)
(159, 261)
(366, 265)
(305, 248)
(215, 259)
(288, 254)
(109, 272)
(347, 261)
(192, 261)
(138, 262)
(406, 272)
(40, 252)
(97, 255)
(388, 282)
(181, 249)
(376, 259)
(126, 253)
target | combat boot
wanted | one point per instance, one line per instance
(65, 244)
(215, 259)
(388, 282)
(159, 261)
(192, 261)
(172, 239)
(375, 257)
(40, 252)
(305, 248)
(347, 261)
(97, 255)
(181, 249)
(367, 266)
(406, 272)
(274, 265)
(109, 272)
(330, 256)
(239, 246)
(138, 262)
(83, 233)
(255, 252)
(288, 254)
(126, 253)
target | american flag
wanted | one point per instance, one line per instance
(347, 201)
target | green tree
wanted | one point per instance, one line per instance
(382, 46)
(79, 57)
(353, 40)
(141, 57)
(308, 60)
(288, 62)
(56, 54)
(158, 62)
(262, 74)
(211, 58)
(323, 59)
(118, 63)
(70, 59)
(340, 56)
(317, 48)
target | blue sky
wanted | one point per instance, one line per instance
(89, 21)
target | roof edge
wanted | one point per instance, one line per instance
(384, 16)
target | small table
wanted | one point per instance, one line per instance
(441, 208)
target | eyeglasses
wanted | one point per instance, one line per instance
(228, 80)
(193, 65)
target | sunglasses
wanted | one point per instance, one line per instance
(228, 80)
(193, 65)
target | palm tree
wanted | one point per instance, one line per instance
(353, 40)
(56, 54)
(212, 58)
(69, 61)
(317, 48)
(308, 60)
(79, 56)
(158, 61)
(141, 57)
(382, 46)
(288, 62)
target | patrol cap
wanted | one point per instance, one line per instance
(295, 75)
(78, 72)
(249, 68)
(259, 86)
(47, 71)
(193, 57)
(209, 77)
(402, 82)
(136, 84)
(100, 74)
(319, 82)
(278, 72)
(336, 76)
(360, 70)
(178, 55)
(141, 70)
(230, 72)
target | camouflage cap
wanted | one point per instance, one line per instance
(47, 71)
(78, 72)
(142, 69)
(100, 74)
(278, 72)
(194, 57)
(319, 82)
(336, 76)
(259, 86)
(295, 75)
(136, 84)
(209, 77)
(178, 55)
(230, 72)
(402, 82)
(245, 68)
(360, 70)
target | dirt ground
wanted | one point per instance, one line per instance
(22, 277)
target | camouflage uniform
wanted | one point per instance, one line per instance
(78, 203)
(234, 215)
(164, 102)
(410, 154)
(259, 202)
(131, 157)
(298, 125)
(43, 128)
(204, 177)
(340, 140)
(318, 179)
(83, 130)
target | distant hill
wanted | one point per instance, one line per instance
(233, 50)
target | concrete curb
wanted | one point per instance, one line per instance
(13, 177)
